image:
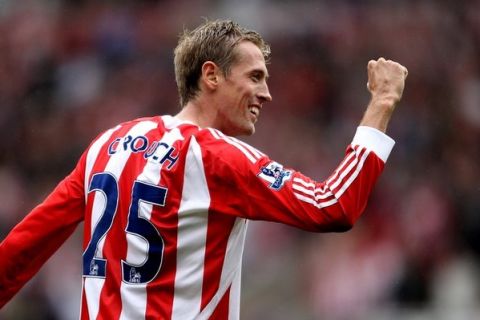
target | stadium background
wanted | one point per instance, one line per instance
(70, 69)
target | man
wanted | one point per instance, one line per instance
(165, 200)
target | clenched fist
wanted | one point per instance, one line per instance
(386, 81)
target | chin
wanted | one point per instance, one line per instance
(246, 130)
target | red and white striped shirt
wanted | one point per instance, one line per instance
(165, 205)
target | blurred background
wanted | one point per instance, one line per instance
(71, 69)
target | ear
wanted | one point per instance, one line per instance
(210, 75)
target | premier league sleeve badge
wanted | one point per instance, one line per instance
(275, 174)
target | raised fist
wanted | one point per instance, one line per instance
(386, 80)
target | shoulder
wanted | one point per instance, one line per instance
(134, 127)
(213, 140)
(133, 135)
(144, 121)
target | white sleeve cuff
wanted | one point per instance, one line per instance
(374, 140)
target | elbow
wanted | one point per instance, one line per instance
(343, 226)
(342, 222)
(337, 227)
(348, 220)
(348, 217)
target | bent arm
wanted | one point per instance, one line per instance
(244, 182)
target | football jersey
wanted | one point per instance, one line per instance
(165, 206)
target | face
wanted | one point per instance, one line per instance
(242, 93)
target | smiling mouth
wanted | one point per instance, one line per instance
(254, 110)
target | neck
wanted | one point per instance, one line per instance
(195, 112)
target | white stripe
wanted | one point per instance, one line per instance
(313, 195)
(134, 301)
(214, 133)
(235, 297)
(92, 155)
(173, 122)
(353, 176)
(319, 205)
(242, 149)
(337, 179)
(346, 171)
(240, 144)
(93, 287)
(115, 165)
(191, 239)
(344, 187)
(134, 296)
(304, 190)
(303, 182)
(318, 193)
(322, 189)
(257, 153)
(341, 167)
(217, 134)
(232, 268)
(323, 195)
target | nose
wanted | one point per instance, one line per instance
(264, 94)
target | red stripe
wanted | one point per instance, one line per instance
(107, 307)
(221, 311)
(239, 145)
(83, 310)
(100, 162)
(342, 167)
(319, 191)
(254, 152)
(115, 248)
(358, 157)
(99, 165)
(161, 291)
(218, 232)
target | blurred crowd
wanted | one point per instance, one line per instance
(71, 69)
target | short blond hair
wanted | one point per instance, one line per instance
(212, 41)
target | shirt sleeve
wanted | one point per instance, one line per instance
(246, 183)
(29, 245)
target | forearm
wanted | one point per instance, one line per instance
(24, 252)
(367, 156)
(29, 245)
(378, 113)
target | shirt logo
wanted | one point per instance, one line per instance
(93, 269)
(275, 175)
(135, 277)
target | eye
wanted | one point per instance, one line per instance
(255, 77)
